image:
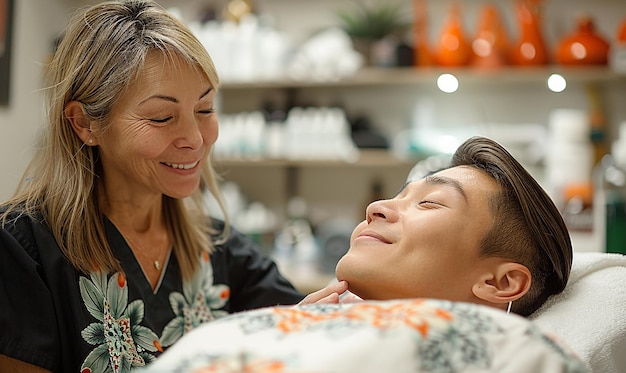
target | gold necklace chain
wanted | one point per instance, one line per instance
(139, 250)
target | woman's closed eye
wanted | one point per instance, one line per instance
(160, 120)
(165, 119)
(207, 111)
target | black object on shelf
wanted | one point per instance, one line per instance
(364, 136)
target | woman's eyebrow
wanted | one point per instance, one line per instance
(173, 99)
(206, 92)
(446, 181)
(160, 97)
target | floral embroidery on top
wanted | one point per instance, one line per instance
(121, 342)
(198, 304)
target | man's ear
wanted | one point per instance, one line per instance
(80, 122)
(506, 282)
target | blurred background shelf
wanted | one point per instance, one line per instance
(372, 76)
(366, 158)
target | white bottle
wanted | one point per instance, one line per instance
(569, 164)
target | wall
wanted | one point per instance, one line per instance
(36, 23)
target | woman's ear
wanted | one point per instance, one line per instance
(80, 122)
(506, 282)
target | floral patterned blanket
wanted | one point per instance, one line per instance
(421, 335)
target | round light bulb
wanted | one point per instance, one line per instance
(557, 83)
(447, 83)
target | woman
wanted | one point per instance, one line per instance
(106, 255)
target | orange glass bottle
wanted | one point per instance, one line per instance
(530, 49)
(452, 48)
(490, 45)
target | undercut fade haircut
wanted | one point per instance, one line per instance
(528, 227)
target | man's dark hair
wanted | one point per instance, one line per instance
(528, 228)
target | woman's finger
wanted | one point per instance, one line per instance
(329, 294)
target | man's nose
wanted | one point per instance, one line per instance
(384, 209)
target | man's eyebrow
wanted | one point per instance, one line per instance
(173, 99)
(442, 180)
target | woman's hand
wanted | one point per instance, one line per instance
(328, 295)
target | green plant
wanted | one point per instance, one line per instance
(374, 22)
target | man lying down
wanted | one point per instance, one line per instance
(436, 270)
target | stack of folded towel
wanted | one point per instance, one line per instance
(590, 314)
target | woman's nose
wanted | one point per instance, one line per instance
(189, 134)
(383, 209)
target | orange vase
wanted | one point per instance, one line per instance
(453, 48)
(530, 49)
(423, 55)
(584, 46)
(490, 45)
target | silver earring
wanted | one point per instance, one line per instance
(91, 141)
(508, 309)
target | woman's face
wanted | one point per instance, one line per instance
(160, 133)
(424, 242)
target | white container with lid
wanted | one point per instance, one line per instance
(569, 154)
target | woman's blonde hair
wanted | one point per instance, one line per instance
(100, 55)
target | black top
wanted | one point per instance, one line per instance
(54, 317)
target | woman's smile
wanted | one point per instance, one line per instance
(182, 166)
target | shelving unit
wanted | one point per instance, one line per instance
(416, 76)
(367, 158)
(285, 174)
(335, 186)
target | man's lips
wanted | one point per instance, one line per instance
(373, 235)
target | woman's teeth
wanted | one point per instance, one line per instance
(181, 166)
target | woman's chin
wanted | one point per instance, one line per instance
(178, 195)
(182, 191)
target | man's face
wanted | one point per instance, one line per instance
(424, 242)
